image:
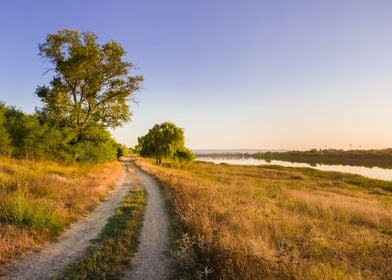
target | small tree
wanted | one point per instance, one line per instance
(122, 150)
(164, 140)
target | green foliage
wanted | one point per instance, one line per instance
(184, 154)
(24, 136)
(89, 93)
(91, 85)
(164, 140)
(97, 145)
(5, 140)
(122, 150)
(17, 209)
(25, 133)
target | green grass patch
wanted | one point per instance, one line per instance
(352, 179)
(19, 210)
(112, 251)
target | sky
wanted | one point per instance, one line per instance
(260, 74)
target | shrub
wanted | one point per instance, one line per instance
(17, 209)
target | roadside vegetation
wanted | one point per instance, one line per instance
(54, 163)
(26, 136)
(110, 254)
(277, 223)
(38, 200)
(164, 141)
(89, 93)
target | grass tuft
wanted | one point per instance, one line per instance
(112, 251)
(16, 210)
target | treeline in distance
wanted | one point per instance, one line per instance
(370, 158)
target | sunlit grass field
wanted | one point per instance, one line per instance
(38, 200)
(249, 222)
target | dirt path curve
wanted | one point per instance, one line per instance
(152, 259)
(52, 259)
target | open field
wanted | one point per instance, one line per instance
(277, 223)
(38, 200)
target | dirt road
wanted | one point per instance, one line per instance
(52, 259)
(152, 259)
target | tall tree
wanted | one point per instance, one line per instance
(164, 140)
(91, 86)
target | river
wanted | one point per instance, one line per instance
(370, 172)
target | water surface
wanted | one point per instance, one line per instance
(370, 172)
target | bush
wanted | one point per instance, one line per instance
(164, 141)
(29, 136)
(184, 154)
(17, 209)
(5, 141)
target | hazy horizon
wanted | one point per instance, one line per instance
(249, 150)
(206, 151)
(292, 75)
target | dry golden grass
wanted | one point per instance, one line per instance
(38, 200)
(248, 222)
